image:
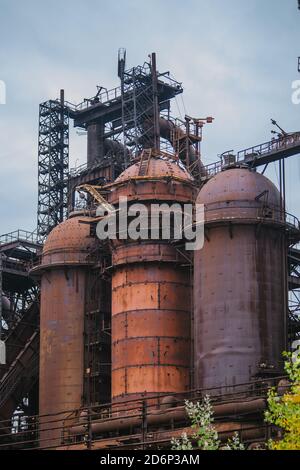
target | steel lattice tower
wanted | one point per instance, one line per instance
(53, 164)
(140, 104)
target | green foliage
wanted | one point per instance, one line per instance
(234, 443)
(284, 411)
(205, 435)
(182, 444)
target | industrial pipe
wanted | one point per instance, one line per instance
(98, 147)
(175, 414)
(247, 432)
(166, 129)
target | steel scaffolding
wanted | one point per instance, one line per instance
(53, 165)
(140, 105)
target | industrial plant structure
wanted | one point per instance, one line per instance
(105, 339)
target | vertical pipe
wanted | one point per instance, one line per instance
(155, 103)
(280, 189)
(121, 72)
(283, 185)
(89, 427)
(61, 118)
(94, 142)
(187, 146)
(284, 255)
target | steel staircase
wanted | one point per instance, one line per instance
(19, 334)
(20, 377)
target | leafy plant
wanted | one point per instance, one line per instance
(284, 411)
(234, 443)
(205, 435)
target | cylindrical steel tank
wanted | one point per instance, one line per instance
(151, 290)
(63, 270)
(239, 281)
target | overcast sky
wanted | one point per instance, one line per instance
(236, 58)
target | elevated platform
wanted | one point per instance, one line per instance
(259, 155)
(18, 250)
(107, 106)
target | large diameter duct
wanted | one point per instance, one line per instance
(63, 284)
(239, 281)
(150, 293)
(167, 130)
(98, 146)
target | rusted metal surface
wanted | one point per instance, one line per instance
(163, 417)
(68, 244)
(239, 282)
(151, 291)
(157, 167)
(248, 432)
(137, 421)
(63, 271)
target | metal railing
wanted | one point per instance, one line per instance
(109, 95)
(264, 212)
(140, 410)
(78, 170)
(275, 145)
(211, 170)
(19, 235)
(251, 154)
(292, 221)
(103, 97)
(15, 265)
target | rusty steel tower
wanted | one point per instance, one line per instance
(53, 165)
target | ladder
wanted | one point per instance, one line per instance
(144, 163)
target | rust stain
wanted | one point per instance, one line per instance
(238, 283)
(150, 294)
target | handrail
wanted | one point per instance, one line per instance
(256, 152)
(76, 171)
(22, 235)
(102, 98)
(271, 146)
(64, 420)
(256, 386)
(277, 215)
